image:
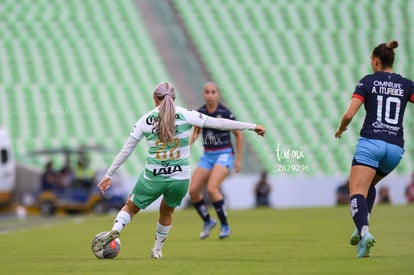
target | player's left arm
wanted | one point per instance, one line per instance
(195, 134)
(412, 92)
(239, 150)
(347, 117)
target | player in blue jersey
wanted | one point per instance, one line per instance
(216, 163)
(167, 129)
(380, 147)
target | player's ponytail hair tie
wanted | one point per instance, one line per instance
(163, 89)
(392, 44)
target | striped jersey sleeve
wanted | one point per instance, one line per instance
(168, 161)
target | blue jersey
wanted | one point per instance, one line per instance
(215, 139)
(385, 96)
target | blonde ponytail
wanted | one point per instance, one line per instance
(166, 120)
(166, 116)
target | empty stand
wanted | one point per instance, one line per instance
(81, 72)
(74, 73)
(293, 65)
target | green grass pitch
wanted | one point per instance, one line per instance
(264, 241)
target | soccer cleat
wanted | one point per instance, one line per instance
(225, 231)
(208, 226)
(354, 237)
(156, 254)
(102, 241)
(365, 244)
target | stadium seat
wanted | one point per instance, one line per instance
(293, 65)
(76, 73)
(81, 72)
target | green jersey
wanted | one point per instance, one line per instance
(168, 161)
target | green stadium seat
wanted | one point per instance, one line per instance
(76, 73)
(83, 71)
(293, 64)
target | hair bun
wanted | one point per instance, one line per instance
(393, 44)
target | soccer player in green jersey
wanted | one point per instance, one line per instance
(167, 129)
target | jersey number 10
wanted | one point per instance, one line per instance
(389, 101)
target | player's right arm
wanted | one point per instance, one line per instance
(349, 114)
(129, 146)
(358, 98)
(200, 120)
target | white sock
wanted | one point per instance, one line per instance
(364, 230)
(160, 235)
(121, 220)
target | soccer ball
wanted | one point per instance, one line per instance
(110, 251)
